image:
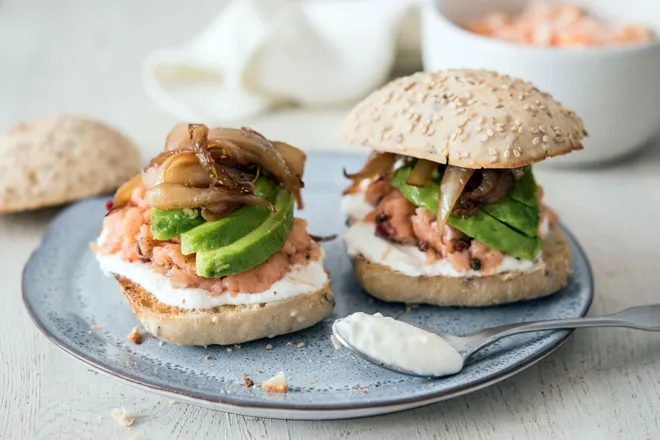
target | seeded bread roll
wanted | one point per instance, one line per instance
(466, 118)
(546, 278)
(229, 324)
(56, 160)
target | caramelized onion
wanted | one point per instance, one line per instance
(269, 158)
(421, 173)
(295, 159)
(178, 137)
(215, 212)
(377, 163)
(124, 193)
(453, 182)
(322, 238)
(173, 196)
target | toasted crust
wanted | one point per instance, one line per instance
(550, 276)
(467, 118)
(226, 324)
(51, 161)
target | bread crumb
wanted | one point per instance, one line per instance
(260, 372)
(96, 327)
(289, 343)
(276, 384)
(293, 358)
(335, 342)
(300, 345)
(269, 346)
(229, 349)
(207, 357)
(135, 336)
(122, 417)
(248, 382)
(237, 345)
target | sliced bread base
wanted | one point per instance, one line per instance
(228, 324)
(546, 278)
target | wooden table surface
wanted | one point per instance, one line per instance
(84, 57)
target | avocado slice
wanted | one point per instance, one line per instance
(172, 222)
(253, 248)
(497, 235)
(213, 235)
(523, 218)
(525, 189)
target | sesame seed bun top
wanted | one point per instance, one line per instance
(466, 118)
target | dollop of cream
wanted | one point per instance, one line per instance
(398, 344)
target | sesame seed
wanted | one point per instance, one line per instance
(430, 132)
(489, 132)
(526, 107)
(465, 136)
(517, 122)
(465, 154)
(454, 136)
(536, 140)
(506, 87)
(516, 153)
(375, 117)
(398, 138)
(534, 130)
(483, 137)
(479, 129)
(506, 153)
(500, 129)
(499, 106)
(546, 139)
(520, 130)
(541, 129)
(542, 107)
(493, 159)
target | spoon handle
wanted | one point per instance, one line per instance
(641, 318)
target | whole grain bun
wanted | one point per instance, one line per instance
(467, 118)
(550, 276)
(59, 159)
(228, 324)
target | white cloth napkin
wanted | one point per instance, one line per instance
(260, 53)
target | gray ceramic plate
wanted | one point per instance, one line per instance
(66, 293)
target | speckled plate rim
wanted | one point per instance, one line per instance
(283, 410)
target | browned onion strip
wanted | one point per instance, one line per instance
(124, 193)
(178, 137)
(212, 213)
(162, 157)
(376, 164)
(421, 173)
(185, 170)
(294, 158)
(173, 196)
(453, 182)
(199, 134)
(322, 238)
(269, 158)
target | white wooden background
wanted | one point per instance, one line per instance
(84, 56)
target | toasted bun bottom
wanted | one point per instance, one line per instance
(228, 324)
(549, 277)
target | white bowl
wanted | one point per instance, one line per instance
(616, 90)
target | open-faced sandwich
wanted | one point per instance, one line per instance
(446, 210)
(204, 243)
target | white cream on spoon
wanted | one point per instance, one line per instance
(398, 345)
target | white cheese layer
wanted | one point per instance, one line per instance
(360, 239)
(300, 280)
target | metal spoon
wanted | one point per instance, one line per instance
(641, 318)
